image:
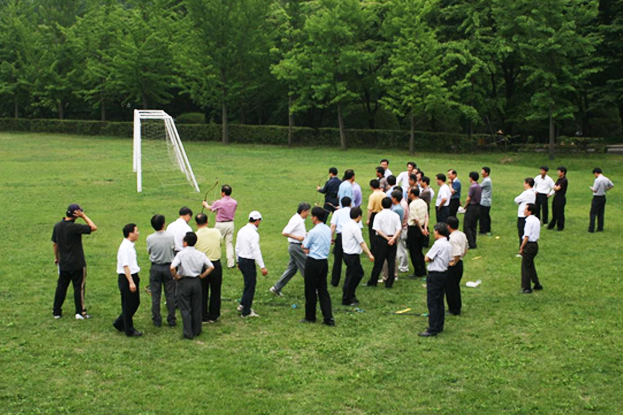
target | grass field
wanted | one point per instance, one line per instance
(553, 352)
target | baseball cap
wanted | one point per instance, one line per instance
(71, 208)
(255, 215)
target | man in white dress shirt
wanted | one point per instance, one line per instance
(527, 196)
(529, 249)
(385, 164)
(180, 227)
(295, 232)
(248, 254)
(128, 281)
(353, 244)
(387, 225)
(458, 241)
(544, 189)
(598, 206)
(339, 218)
(403, 178)
(442, 204)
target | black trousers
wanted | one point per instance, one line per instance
(415, 243)
(189, 302)
(78, 279)
(485, 219)
(453, 207)
(211, 290)
(316, 271)
(528, 270)
(542, 207)
(435, 286)
(470, 224)
(521, 224)
(442, 213)
(130, 301)
(453, 288)
(598, 208)
(383, 251)
(249, 274)
(328, 209)
(159, 277)
(372, 232)
(354, 275)
(338, 252)
(558, 213)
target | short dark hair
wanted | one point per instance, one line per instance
(190, 238)
(380, 169)
(486, 170)
(452, 171)
(386, 203)
(226, 189)
(442, 229)
(420, 172)
(346, 201)
(397, 194)
(544, 168)
(318, 212)
(384, 160)
(303, 206)
(157, 222)
(412, 163)
(391, 180)
(333, 171)
(596, 170)
(474, 176)
(530, 181)
(415, 191)
(375, 184)
(440, 176)
(426, 180)
(348, 174)
(562, 169)
(201, 218)
(413, 177)
(185, 211)
(355, 212)
(453, 222)
(531, 207)
(128, 229)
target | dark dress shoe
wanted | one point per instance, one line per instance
(304, 321)
(538, 287)
(330, 323)
(426, 334)
(136, 333)
(526, 291)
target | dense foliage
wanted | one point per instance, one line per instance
(460, 66)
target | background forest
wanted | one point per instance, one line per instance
(530, 69)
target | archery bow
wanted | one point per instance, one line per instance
(205, 197)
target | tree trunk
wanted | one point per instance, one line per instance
(224, 121)
(16, 106)
(103, 109)
(144, 97)
(290, 121)
(620, 106)
(552, 133)
(340, 121)
(61, 112)
(412, 135)
(243, 111)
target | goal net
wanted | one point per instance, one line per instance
(159, 156)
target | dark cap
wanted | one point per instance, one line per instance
(71, 208)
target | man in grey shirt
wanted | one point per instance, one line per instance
(598, 206)
(485, 202)
(160, 246)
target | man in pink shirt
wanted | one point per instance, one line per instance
(225, 209)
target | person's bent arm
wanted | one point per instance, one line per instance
(128, 275)
(80, 214)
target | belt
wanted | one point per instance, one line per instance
(187, 277)
(165, 263)
(296, 243)
(532, 242)
(224, 221)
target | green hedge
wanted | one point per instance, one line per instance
(302, 136)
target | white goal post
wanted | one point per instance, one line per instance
(174, 146)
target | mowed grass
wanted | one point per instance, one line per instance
(555, 351)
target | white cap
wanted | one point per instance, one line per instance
(255, 215)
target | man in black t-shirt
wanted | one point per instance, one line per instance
(69, 257)
(560, 200)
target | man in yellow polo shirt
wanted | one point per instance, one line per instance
(374, 207)
(209, 242)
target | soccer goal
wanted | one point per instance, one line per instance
(159, 151)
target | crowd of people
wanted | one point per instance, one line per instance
(186, 264)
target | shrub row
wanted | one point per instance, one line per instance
(302, 136)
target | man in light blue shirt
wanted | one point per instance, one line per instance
(317, 245)
(346, 188)
(598, 206)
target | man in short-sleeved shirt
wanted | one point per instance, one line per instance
(387, 225)
(560, 200)
(209, 242)
(180, 227)
(161, 246)
(598, 206)
(472, 210)
(128, 281)
(225, 209)
(486, 197)
(455, 189)
(69, 256)
(353, 245)
(529, 250)
(459, 244)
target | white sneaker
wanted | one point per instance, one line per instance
(82, 316)
(239, 308)
(57, 317)
(251, 314)
(274, 291)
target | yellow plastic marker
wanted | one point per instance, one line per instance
(406, 310)
(476, 257)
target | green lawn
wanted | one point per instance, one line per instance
(555, 351)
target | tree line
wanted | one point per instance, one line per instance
(506, 67)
